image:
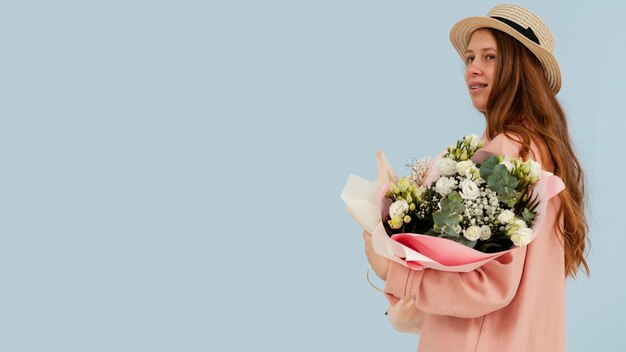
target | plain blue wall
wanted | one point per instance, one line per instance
(170, 171)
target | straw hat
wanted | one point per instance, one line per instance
(520, 24)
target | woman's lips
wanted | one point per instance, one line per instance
(476, 87)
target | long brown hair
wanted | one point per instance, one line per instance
(521, 103)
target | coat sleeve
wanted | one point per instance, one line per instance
(465, 295)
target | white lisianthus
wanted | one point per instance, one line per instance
(469, 189)
(462, 167)
(514, 226)
(474, 173)
(535, 170)
(446, 166)
(522, 237)
(472, 233)
(399, 208)
(485, 232)
(507, 162)
(473, 141)
(505, 216)
(445, 185)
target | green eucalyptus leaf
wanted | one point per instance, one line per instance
(501, 181)
(486, 168)
(446, 222)
(464, 241)
(453, 203)
(528, 216)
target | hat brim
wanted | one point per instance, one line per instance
(461, 33)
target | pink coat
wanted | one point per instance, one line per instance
(513, 303)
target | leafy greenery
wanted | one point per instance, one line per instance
(500, 180)
(486, 168)
(447, 219)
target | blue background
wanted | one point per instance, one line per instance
(171, 170)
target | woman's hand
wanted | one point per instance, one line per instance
(379, 264)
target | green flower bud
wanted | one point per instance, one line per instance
(412, 206)
(464, 155)
(407, 219)
(404, 185)
(409, 199)
(394, 189)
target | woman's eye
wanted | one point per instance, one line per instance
(491, 57)
(470, 59)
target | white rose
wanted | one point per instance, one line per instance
(462, 167)
(472, 233)
(506, 216)
(522, 237)
(507, 162)
(446, 166)
(399, 208)
(445, 185)
(485, 232)
(469, 189)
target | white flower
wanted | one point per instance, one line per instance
(445, 185)
(472, 233)
(522, 237)
(505, 216)
(419, 168)
(472, 140)
(446, 166)
(474, 172)
(463, 166)
(514, 226)
(469, 189)
(507, 162)
(399, 208)
(535, 170)
(485, 232)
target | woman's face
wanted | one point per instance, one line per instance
(480, 58)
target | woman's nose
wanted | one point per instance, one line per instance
(474, 68)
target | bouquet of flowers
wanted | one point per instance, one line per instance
(485, 206)
(455, 213)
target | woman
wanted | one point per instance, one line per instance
(517, 301)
